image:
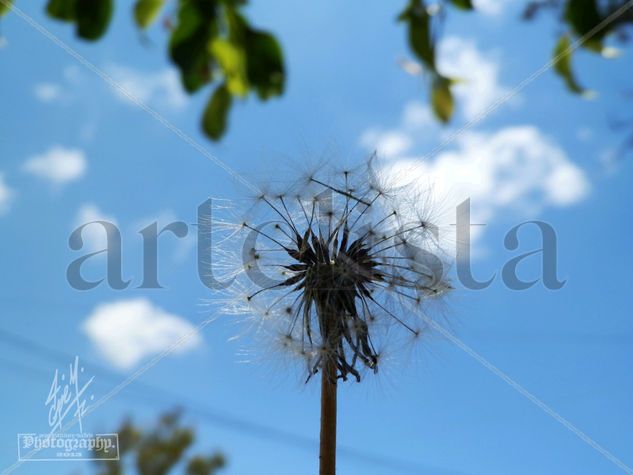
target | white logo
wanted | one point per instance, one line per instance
(67, 403)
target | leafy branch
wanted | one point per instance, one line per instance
(213, 44)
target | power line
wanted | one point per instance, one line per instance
(150, 393)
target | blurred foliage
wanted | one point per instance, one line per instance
(159, 450)
(563, 65)
(418, 22)
(588, 23)
(147, 11)
(213, 44)
(91, 17)
(5, 6)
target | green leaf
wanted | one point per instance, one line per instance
(232, 60)
(5, 6)
(442, 98)
(93, 18)
(420, 41)
(463, 4)
(584, 16)
(215, 115)
(62, 9)
(146, 11)
(265, 64)
(188, 45)
(562, 66)
(263, 56)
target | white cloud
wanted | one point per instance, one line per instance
(416, 115)
(127, 331)
(63, 90)
(162, 87)
(59, 165)
(47, 92)
(478, 74)
(6, 196)
(492, 7)
(514, 169)
(393, 142)
(389, 143)
(94, 235)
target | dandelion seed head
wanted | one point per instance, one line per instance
(333, 263)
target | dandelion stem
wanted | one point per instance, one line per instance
(327, 454)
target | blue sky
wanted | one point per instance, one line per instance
(72, 150)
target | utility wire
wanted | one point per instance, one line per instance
(151, 393)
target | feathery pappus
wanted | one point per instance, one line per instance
(332, 262)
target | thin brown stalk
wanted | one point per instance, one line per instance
(327, 454)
